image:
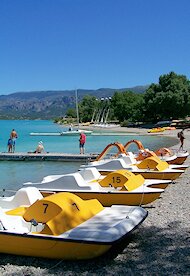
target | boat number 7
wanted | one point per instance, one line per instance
(45, 205)
(116, 179)
(74, 204)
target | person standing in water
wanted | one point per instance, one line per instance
(13, 136)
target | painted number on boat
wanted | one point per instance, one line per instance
(74, 204)
(116, 179)
(45, 205)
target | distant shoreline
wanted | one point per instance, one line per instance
(132, 131)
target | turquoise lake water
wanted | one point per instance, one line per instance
(13, 173)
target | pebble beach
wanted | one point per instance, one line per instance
(160, 246)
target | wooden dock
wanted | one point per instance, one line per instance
(53, 156)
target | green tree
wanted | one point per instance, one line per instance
(170, 98)
(71, 113)
(127, 106)
(87, 107)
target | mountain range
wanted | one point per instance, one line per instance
(50, 104)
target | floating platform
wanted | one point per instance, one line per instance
(53, 156)
(66, 134)
(63, 133)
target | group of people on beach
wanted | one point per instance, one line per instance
(40, 148)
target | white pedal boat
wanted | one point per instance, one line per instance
(119, 187)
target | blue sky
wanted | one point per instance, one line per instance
(90, 44)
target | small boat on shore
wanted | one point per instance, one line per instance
(149, 168)
(120, 187)
(172, 157)
(156, 130)
(64, 226)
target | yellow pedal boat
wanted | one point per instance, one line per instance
(165, 154)
(168, 155)
(63, 225)
(119, 187)
(149, 168)
(156, 130)
(135, 159)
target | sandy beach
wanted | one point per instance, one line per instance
(160, 246)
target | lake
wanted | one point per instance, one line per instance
(14, 173)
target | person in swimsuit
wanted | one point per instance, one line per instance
(181, 138)
(10, 145)
(13, 136)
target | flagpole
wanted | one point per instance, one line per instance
(77, 109)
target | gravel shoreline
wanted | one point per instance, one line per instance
(160, 246)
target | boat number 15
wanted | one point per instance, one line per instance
(116, 179)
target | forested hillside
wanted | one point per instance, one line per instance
(49, 104)
(166, 100)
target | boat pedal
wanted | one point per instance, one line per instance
(33, 222)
